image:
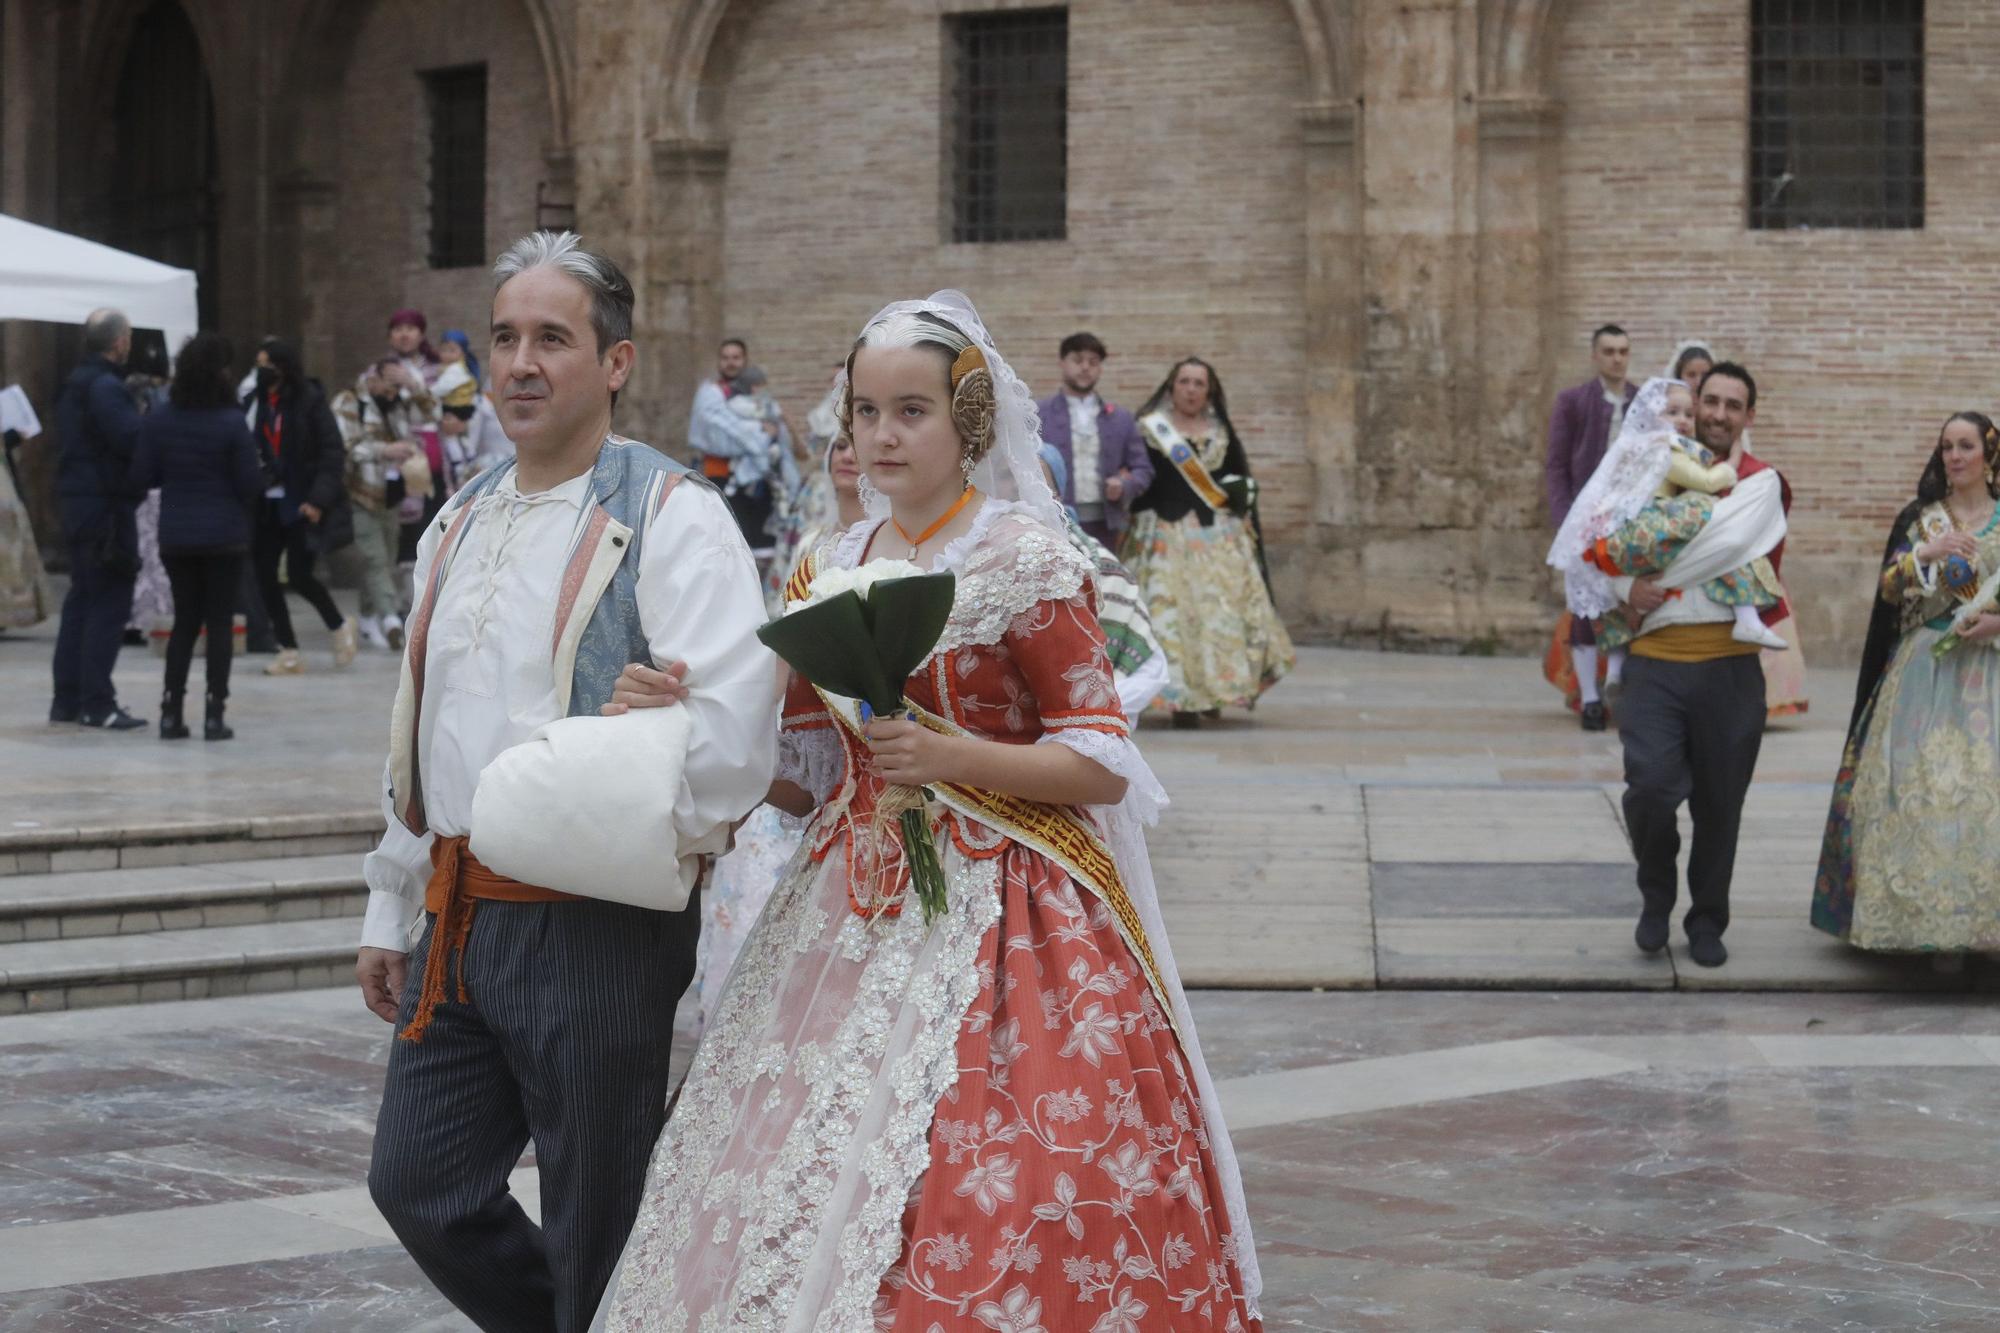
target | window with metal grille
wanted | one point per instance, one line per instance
(1836, 113)
(1009, 94)
(457, 100)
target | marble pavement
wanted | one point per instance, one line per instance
(1462, 1102)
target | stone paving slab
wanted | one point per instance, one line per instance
(1492, 824)
(1572, 953)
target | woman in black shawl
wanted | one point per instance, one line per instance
(1196, 551)
(1913, 836)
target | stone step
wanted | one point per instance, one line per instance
(27, 849)
(41, 975)
(85, 903)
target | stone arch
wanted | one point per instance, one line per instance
(684, 105)
(1515, 41)
(322, 45)
(147, 178)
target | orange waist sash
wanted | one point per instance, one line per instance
(458, 881)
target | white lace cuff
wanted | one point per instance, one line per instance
(812, 759)
(1143, 794)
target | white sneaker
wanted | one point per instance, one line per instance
(371, 633)
(392, 630)
(288, 662)
(1755, 632)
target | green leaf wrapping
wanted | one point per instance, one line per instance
(866, 649)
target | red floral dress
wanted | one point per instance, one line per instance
(1028, 1153)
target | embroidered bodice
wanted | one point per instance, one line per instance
(1021, 661)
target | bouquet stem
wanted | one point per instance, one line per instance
(926, 874)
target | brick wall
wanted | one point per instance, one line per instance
(1862, 341)
(1186, 215)
(383, 223)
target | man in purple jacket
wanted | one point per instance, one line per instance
(1585, 421)
(1107, 460)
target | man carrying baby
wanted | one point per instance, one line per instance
(1692, 716)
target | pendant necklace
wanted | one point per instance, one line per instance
(965, 498)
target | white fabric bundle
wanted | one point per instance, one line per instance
(585, 805)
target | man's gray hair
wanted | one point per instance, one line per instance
(610, 291)
(102, 329)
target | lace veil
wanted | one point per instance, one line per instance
(1624, 483)
(1012, 467)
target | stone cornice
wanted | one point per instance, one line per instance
(690, 157)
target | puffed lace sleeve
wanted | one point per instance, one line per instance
(809, 752)
(1043, 588)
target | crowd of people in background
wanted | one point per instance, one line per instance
(1166, 497)
(169, 537)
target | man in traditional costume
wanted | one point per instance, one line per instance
(1586, 420)
(1692, 716)
(1106, 464)
(737, 453)
(543, 843)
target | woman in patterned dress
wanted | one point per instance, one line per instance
(999, 1119)
(1195, 548)
(1913, 835)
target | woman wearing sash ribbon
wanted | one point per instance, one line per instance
(1000, 1118)
(1908, 861)
(1195, 547)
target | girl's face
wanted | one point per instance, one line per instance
(450, 352)
(1191, 390)
(1964, 455)
(904, 438)
(1679, 412)
(1692, 372)
(842, 467)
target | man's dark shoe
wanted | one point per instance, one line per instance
(59, 714)
(1651, 935)
(1186, 721)
(1706, 950)
(115, 720)
(1593, 716)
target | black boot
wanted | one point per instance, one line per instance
(172, 727)
(213, 729)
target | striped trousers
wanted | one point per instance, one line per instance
(565, 1042)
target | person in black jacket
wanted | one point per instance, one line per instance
(305, 513)
(198, 451)
(99, 428)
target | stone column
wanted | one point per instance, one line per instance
(1315, 582)
(1517, 277)
(31, 38)
(684, 317)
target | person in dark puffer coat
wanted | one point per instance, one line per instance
(201, 455)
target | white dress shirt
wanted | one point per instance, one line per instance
(489, 677)
(1085, 480)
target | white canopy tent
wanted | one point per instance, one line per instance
(51, 275)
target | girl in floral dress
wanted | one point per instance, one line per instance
(999, 1119)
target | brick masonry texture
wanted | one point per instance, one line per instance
(1390, 223)
(1862, 341)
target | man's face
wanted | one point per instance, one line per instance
(121, 351)
(553, 385)
(1611, 353)
(1725, 413)
(380, 387)
(729, 362)
(1081, 370)
(405, 339)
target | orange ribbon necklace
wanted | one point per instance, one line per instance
(965, 498)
